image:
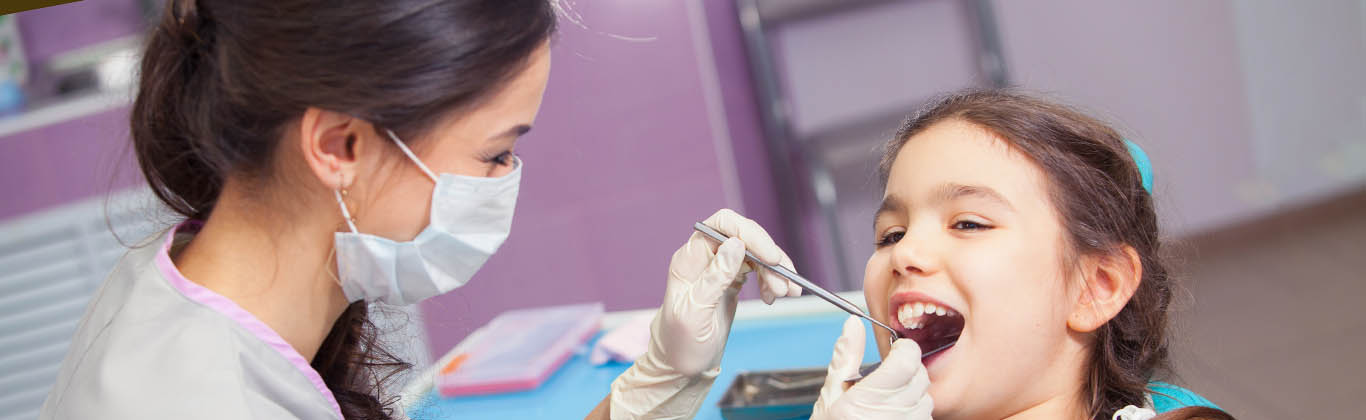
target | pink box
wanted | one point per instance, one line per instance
(519, 349)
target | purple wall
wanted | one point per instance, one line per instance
(80, 158)
(62, 163)
(742, 117)
(56, 29)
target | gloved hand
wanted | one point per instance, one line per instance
(689, 332)
(898, 389)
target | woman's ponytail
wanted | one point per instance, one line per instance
(169, 124)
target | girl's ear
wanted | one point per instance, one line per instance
(1108, 281)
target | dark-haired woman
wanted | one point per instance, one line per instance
(326, 155)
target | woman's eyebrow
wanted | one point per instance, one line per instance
(514, 132)
(952, 191)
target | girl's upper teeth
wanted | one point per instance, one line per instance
(912, 315)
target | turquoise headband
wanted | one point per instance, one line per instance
(1145, 167)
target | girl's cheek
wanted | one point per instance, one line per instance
(979, 273)
(876, 280)
(1013, 299)
(876, 290)
(992, 283)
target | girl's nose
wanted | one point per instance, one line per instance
(913, 256)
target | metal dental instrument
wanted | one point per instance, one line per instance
(834, 299)
(867, 369)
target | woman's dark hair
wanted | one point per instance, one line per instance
(220, 79)
(1098, 192)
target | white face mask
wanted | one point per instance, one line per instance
(470, 218)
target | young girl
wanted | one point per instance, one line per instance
(1020, 236)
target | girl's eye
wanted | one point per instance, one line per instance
(890, 238)
(969, 225)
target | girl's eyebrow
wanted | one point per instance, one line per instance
(951, 191)
(890, 204)
(944, 193)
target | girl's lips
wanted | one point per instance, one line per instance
(932, 323)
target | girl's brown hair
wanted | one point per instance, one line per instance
(1098, 192)
(1194, 413)
(220, 79)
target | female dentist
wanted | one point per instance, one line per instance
(331, 154)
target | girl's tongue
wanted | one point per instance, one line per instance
(931, 326)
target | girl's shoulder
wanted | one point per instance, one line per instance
(1167, 397)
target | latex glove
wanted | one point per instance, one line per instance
(898, 389)
(688, 333)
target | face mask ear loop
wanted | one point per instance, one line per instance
(332, 265)
(346, 214)
(410, 154)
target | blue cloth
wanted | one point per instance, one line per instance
(754, 345)
(1168, 397)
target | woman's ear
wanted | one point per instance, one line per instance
(329, 143)
(1108, 281)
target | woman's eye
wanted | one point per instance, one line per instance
(890, 238)
(969, 225)
(504, 158)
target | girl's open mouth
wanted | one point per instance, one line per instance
(931, 323)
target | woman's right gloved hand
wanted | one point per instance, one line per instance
(897, 390)
(688, 334)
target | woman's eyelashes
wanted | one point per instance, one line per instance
(504, 158)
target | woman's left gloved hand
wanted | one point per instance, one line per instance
(689, 332)
(897, 390)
